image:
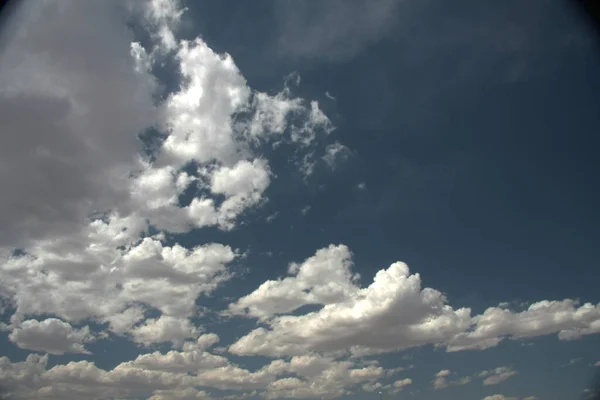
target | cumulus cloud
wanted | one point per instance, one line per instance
(499, 397)
(442, 380)
(81, 217)
(350, 314)
(178, 373)
(565, 317)
(51, 336)
(497, 375)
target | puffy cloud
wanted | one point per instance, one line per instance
(541, 318)
(19, 379)
(85, 248)
(51, 336)
(164, 329)
(441, 380)
(497, 375)
(402, 383)
(192, 358)
(499, 397)
(322, 279)
(350, 315)
(370, 320)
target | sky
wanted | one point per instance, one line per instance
(299, 199)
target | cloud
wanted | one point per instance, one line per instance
(402, 383)
(164, 329)
(499, 397)
(565, 317)
(441, 380)
(81, 217)
(597, 364)
(51, 336)
(497, 375)
(574, 361)
(335, 152)
(350, 315)
(178, 373)
(70, 117)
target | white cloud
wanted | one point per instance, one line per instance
(441, 380)
(164, 329)
(86, 254)
(541, 318)
(350, 315)
(597, 364)
(499, 397)
(51, 336)
(402, 383)
(497, 375)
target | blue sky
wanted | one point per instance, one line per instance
(299, 199)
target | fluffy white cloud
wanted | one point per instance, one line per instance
(499, 397)
(51, 336)
(442, 380)
(566, 318)
(497, 375)
(322, 279)
(392, 313)
(164, 329)
(82, 213)
(402, 383)
(350, 315)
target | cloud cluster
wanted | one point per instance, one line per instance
(442, 380)
(83, 244)
(394, 312)
(496, 375)
(177, 374)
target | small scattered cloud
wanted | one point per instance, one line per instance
(335, 152)
(442, 380)
(362, 185)
(305, 210)
(329, 96)
(271, 217)
(499, 397)
(574, 361)
(497, 375)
